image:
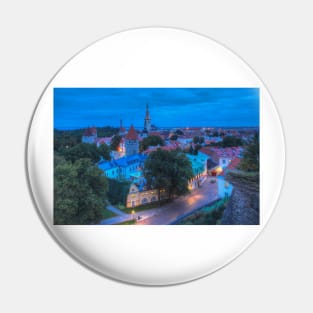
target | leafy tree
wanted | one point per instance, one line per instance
(151, 141)
(231, 141)
(106, 131)
(196, 139)
(82, 151)
(251, 157)
(66, 139)
(104, 151)
(79, 192)
(118, 191)
(196, 149)
(191, 150)
(179, 132)
(179, 174)
(174, 137)
(115, 142)
(170, 170)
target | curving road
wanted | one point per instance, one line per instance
(169, 213)
(181, 206)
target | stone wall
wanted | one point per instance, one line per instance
(243, 207)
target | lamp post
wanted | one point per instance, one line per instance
(133, 214)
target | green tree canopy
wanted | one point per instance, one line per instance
(80, 190)
(82, 151)
(251, 156)
(151, 141)
(179, 132)
(104, 151)
(106, 131)
(170, 170)
(115, 142)
(198, 140)
(174, 137)
(231, 141)
(66, 139)
(118, 191)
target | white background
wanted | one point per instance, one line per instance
(275, 273)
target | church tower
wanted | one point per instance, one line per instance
(147, 125)
(122, 130)
(131, 142)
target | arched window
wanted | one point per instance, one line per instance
(144, 200)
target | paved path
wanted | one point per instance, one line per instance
(115, 210)
(169, 213)
(172, 211)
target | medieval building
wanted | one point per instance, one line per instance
(131, 142)
(90, 135)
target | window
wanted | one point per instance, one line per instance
(144, 200)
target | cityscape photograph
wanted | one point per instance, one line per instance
(156, 156)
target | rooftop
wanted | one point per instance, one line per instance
(132, 134)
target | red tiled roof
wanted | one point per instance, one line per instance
(90, 131)
(206, 150)
(234, 163)
(132, 135)
(167, 148)
(102, 140)
(155, 133)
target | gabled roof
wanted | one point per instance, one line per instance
(206, 150)
(132, 134)
(90, 131)
(234, 163)
(211, 164)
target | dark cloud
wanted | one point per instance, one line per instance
(80, 107)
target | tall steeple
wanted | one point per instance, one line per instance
(147, 124)
(122, 130)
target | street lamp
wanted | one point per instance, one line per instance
(133, 214)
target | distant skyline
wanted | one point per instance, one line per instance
(169, 107)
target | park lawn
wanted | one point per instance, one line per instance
(130, 222)
(107, 213)
(144, 207)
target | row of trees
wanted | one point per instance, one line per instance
(64, 139)
(86, 151)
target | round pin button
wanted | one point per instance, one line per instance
(155, 156)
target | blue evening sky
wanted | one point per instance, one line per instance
(169, 107)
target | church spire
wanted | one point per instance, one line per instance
(122, 130)
(147, 124)
(147, 112)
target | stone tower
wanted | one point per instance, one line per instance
(147, 125)
(131, 142)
